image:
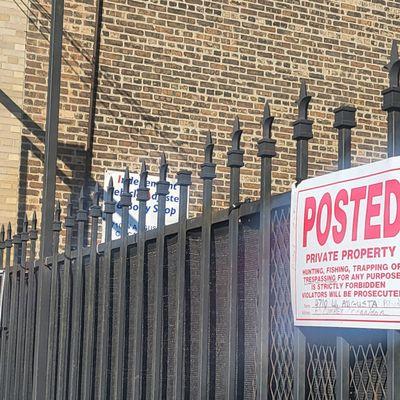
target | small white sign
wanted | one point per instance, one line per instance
(345, 248)
(172, 202)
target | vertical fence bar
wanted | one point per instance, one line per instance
(12, 345)
(266, 150)
(235, 162)
(109, 209)
(142, 197)
(89, 350)
(30, 315)
(344, 121)
(391, 104)
(21, 310)
(65, 317)
(183, 181)
(207, 174)
(157, 367)
(53, 322)
(125, 202)
(77, 306)
(5, 313)
(302, 133)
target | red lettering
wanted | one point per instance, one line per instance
(309, 217)
(373, 210)
(340, 215)
(322, 235)
(391, 229)
(357, 194)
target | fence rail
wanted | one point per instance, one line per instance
(195, 310)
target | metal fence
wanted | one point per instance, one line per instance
(195, 310)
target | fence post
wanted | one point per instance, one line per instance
(125, 202)
(77, 306)
(157, 365)
(235, 162)
(391, 104)
(21, 309)
(109, 209)
(302, 133)
(5, 310)
(142, 196)
(266, 150)
(65, 317)
(344, 121)
(184, 180)
(207, 174)
(88, 357)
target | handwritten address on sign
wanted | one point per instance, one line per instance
(345, 248)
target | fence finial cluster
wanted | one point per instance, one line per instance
(394, 65)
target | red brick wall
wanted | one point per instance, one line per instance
(171, 70)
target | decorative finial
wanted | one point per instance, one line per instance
(208, 151)
(9, 232)
(2, 233)
(126, 180)
(25, 224)
(34, 221)
(303, 101)
(163, 167)
(394, 65)
(110, 190)
(143, 175)
(57, 212)
(236, 134)
(96, 195)
(81, 199)
(267, 121)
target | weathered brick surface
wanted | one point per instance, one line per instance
(12, 60)
(171, 70)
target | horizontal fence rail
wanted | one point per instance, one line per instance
(200, 309)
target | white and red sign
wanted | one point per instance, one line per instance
(345, 248)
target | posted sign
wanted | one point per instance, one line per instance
(345, 248)
(172, 202)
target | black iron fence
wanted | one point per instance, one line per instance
(195, 310)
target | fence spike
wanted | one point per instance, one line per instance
(65, 297)
(109, 209)
(2, 245)
(33, 235)
(207, 174)
(158, 368)
(120, 362)
(235, 366)
(391, 103)
(266, 150)
(142, 195)
(267, 121)
(76, 336)
(394, 65)
(302, 133)
(22, 305)
(95, 213)
(209, 147)
(24, 240)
